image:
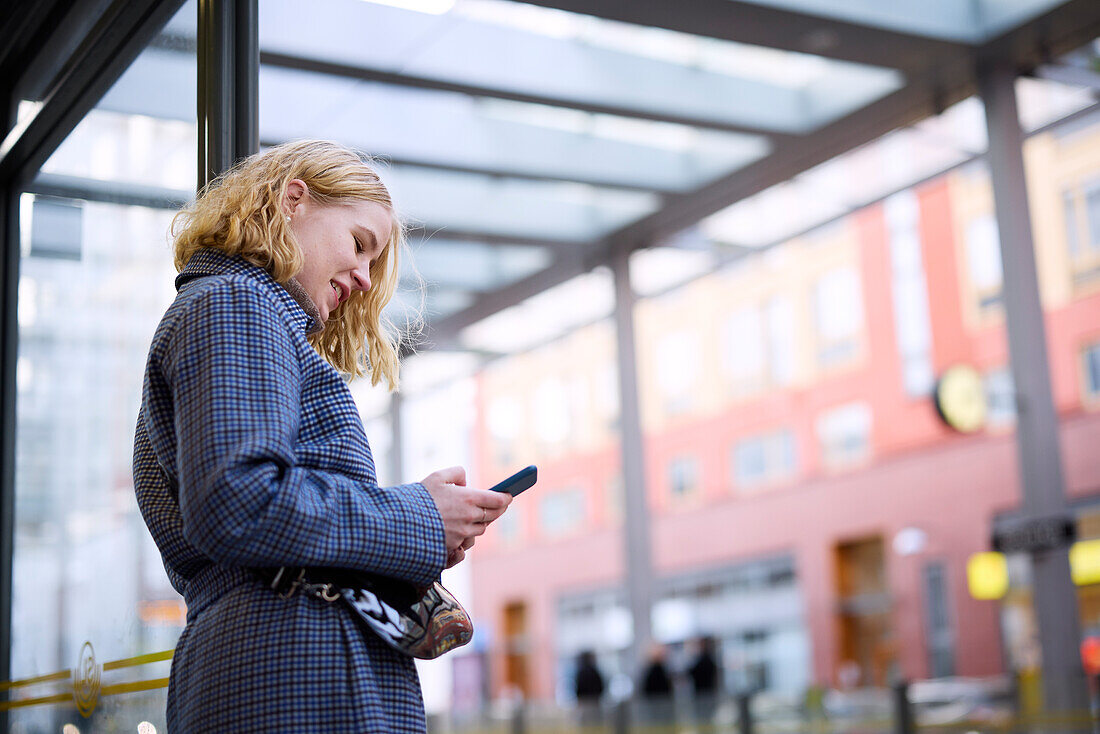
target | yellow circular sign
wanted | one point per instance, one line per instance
(960, 398)
(86, 681)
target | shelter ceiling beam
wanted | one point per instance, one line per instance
(170, 42)
(786, 30)
(428, 163)
(115, 39)
(477, 90)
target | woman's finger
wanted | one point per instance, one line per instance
(455, 557)
(452, 475)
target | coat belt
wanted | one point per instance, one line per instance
(207, 586)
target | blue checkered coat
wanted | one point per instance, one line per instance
(249, 452)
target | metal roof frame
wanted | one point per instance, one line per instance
(948, 74)
(938, 72)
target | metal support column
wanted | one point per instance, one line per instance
(1037, 439)
(639, 569)
(228, 84)
(9, 345)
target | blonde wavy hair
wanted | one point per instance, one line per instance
(241, 213)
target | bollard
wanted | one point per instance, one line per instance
(903, 709)
(519, 721)
(621, 717)
(744, 713)
(1094, 707)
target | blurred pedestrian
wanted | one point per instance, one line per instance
(657, 702)
(705, 675)
(849, 675)
(589, 687)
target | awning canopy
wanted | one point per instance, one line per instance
(526, 142)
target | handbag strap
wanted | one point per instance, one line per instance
(288, 580)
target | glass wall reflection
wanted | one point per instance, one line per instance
(96, 273)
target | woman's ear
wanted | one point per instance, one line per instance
(297, 192)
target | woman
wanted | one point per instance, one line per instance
(249, 452)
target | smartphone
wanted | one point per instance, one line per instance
(521, 480)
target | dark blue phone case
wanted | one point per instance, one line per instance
(521, 480)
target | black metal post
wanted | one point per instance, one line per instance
(903, 709)
(246, 79)
(519, 718)
(744, 713)
(228, 88)
(9, 344)
(621, 717)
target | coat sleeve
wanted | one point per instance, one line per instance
(235, 379)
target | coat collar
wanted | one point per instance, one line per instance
(209, 261)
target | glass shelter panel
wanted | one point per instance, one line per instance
(92, 605)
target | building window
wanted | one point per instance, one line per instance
(839, 316)
(606, 399)
(744, 347)
(1092, 214)
(937, 620)
(677, 365)
(1082, 218)
(1073, 235)
(910, 291)
(1000, 399)
(551, 409)
(844, 434)
(561, 513)
(755, 612)
(1091, 366)
(764, 459)
(509, 527)
(983, 257)
(683, 476)
(503, 419)
(779, 314)
(56, 228)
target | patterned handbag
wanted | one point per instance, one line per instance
(421, 622)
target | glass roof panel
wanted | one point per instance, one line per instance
(159, 155)
(974, 21)
(457, 130)
(588, 68)
(893, 162)
(578, 301)
(658, 269)
(784, 69)
(471, 266)
(410, 305)
(160, 84)
(442, 201)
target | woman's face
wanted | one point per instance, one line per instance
(338, 244)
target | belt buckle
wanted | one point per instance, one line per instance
(293, 584)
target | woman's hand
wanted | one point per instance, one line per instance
(465, 512)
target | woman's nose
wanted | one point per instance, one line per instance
(360, 279)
